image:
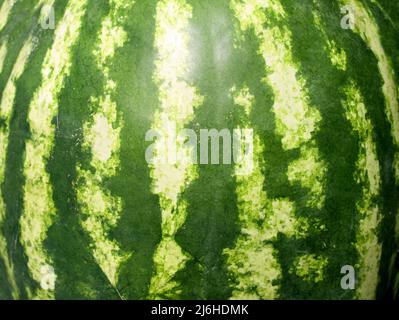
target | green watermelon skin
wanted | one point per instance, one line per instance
(83, 215)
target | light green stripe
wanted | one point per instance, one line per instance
(260, 218)
(7, 6)
(6, 105)
(177, 103)
(367, 175)
(384, 12)
(337, 55)
(3, 54)
(5, 12)
(367, 28)
(310, 267)
(39, 208)
(101, 211)
(296, 119)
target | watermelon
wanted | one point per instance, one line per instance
(187, 149)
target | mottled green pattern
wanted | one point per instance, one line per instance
(84, 216)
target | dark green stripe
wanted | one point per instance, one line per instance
(78, 274)
(385, 146)
(139, 228)
(339, 149)
(211, 224)
(275, 159)
(389, 38)
(5, 287)
(20, 23)
(19, 11)
(363, 69)
(14, 180)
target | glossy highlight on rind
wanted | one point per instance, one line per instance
(178, 100)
